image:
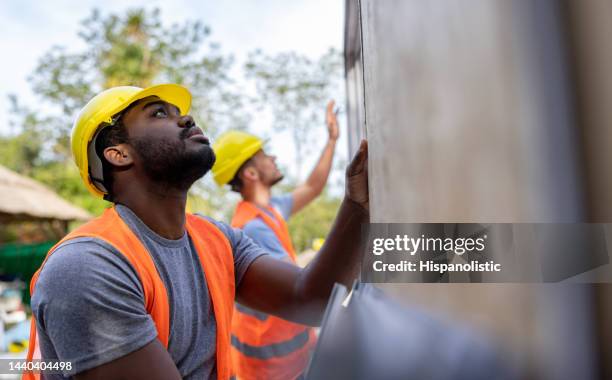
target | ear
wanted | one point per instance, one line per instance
(249, 174)
(119, 155)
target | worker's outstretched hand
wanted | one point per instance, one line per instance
(331, 119)
(357, 177)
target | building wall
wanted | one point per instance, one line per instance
(489, 111)
(467, 112)
(588, 32)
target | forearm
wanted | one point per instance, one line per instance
(338, 261)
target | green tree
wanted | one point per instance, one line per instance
(134, 48)
(295, 89)
(313, 222)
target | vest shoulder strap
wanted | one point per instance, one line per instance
(247, 211)
(217, 259)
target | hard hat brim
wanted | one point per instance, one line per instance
(172, 93)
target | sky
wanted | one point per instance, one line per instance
(30, 28)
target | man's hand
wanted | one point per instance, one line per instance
(357, 177)
(332, 121)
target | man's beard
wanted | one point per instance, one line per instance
(170, 163)
(277, 180)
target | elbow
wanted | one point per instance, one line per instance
(311, 299)
(317, 190)
(315, 186)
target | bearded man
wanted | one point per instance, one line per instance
(147, 290)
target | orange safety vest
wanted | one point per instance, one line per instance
(272, 348)
(216, 258)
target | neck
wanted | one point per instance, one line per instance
(161, 208)
(257, 194)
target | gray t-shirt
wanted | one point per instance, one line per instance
(89, 303)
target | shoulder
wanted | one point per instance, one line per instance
(256, 227)
(234, 236)
(77, 255)
(244, 249)
(225, 228)
(79, 265)
(265, 238)
(261, 234)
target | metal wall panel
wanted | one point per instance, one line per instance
(468, 112)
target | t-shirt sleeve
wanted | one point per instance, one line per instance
(283, 204)
(244, 249)
(89, 305)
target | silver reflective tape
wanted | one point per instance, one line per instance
(253, 313)
(271, 350)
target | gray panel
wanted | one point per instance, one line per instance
(467, 112)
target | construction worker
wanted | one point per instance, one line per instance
(264, 346)
(146, 291)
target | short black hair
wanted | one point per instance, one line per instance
(110, 135)
(236, 183)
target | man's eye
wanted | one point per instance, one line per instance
(160, 112)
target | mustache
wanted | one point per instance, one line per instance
(186, 132)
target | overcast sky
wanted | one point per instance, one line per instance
(29, 28)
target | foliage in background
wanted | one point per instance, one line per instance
(313, 222)
(295, 89)
(135, 48)
(128, 49)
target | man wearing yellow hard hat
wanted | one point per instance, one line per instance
(146, 290)
(264, 346)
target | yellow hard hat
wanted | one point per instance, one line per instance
(232, 149)
(101, 109)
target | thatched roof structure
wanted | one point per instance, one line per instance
(22, 198)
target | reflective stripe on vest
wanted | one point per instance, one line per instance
(268, 347)
(217, 261)
(253, 313)
(272, 350)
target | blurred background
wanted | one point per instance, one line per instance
(267, 67)
(476, 111)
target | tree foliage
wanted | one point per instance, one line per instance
(295, 89)
(136, 48)
(313, 222)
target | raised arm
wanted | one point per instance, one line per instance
(300, 295)
(312, 188)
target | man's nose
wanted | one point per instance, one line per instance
(186, 121)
